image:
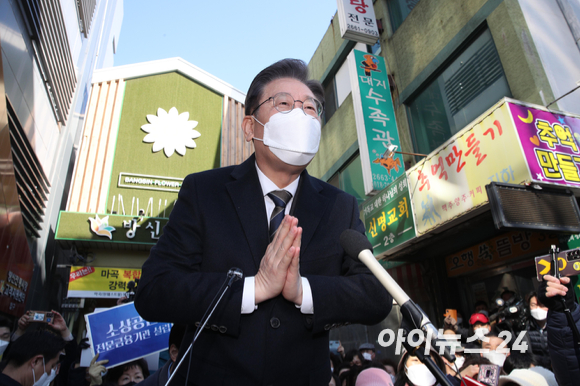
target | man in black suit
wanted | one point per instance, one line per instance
(281, 226)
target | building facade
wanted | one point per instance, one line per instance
(449, 67)
(148, 126)
(49, 52)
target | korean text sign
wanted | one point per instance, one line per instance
(375, 120)
(388, 217)
(100, 282)
(357, 21)
(497, 250)
(550, 144)
(451, 180)
(120, 335)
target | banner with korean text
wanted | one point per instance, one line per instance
(120, 335)
(550, 144)
(388, 217)
(451, 180)
(498, 250)
(100, 282)
(376, 126)
(357, 21)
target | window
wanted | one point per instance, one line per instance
(399, 10)
(350, 179)
(471, 84)
(330, 102)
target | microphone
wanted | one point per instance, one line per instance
(233, 275)
(355, 245)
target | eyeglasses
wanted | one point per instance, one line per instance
(284, 103)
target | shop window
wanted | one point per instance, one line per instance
(350, 179)
(471, 84)
(399, 10)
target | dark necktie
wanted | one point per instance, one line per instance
(280, 198)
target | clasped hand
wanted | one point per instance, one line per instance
(279, 271)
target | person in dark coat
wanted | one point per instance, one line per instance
(564, 351)
(281, 227)
(536, 330)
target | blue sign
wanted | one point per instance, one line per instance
(121, 335)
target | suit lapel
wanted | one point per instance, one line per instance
(309, 208)
(247, 196)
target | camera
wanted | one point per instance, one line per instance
(511, 314)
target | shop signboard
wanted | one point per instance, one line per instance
(451, 180)
(498, 250)
(388, 217)
(549, 141)
(109, 228)
(100, 282)
(357, 21)
(376, 126)
(120, 335)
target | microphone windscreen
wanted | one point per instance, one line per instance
(354, 242)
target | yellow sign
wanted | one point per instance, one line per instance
(498, 250)
(100, 282)
(451, 181)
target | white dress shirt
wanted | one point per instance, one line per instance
(249, 293)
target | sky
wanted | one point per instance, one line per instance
(232, 40)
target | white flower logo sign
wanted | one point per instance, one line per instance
(170, 131)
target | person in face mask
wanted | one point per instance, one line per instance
(536, 330)
(367, 350)
(5, 332)
(412, 372)
(33, 360)
(492, 351)
(280, 226)
(480, 325)
(128, 374)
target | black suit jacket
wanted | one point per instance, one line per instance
(219, 222)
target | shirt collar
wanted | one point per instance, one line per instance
(268, 186)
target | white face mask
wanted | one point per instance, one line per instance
(481, 332)
(3, 345)
(459, 361)
(420, 375)
(539, 314)
(293, 137)
(45, 379)
(497, 358)
(367, 356)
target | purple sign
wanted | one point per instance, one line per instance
(550, 144)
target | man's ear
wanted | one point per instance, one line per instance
(35, 360)
(173, 352)
(248, 127)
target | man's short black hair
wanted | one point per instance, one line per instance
(176, 335)
(519, 360)
(285, 68)
(34, 343)
(480, 303)
(5, 322)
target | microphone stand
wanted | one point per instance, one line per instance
(356, 244)
(234, 275)
(415, 319)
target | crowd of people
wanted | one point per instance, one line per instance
(545, 355)
(531, 343)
